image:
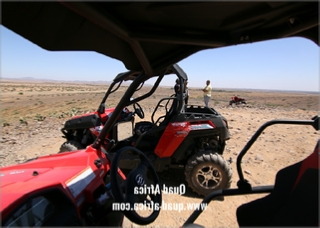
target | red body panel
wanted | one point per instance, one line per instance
(103, 117)
(175, 133)
(73, 172)
(311, 162)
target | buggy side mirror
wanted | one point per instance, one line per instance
(101, 108)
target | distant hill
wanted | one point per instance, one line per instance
(31, 79)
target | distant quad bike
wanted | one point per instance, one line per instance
(185, 136)
(237, 100)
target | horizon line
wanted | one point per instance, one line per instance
(108, 82)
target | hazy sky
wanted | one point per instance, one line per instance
(286, 64)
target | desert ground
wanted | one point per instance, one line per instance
(32, 114)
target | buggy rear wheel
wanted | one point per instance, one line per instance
(207, 172)
(71, 145)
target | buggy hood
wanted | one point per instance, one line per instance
(69, 172)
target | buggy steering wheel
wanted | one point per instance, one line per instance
(138, 110)
(137, 182)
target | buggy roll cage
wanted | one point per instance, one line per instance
(244, 187)
(138, 78)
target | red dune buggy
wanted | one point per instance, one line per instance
(190, 137)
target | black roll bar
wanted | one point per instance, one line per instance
(138, 78)
(243, 183)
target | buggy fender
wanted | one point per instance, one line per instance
(175, 134)
(171, 138)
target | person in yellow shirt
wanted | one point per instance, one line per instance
(207, 93)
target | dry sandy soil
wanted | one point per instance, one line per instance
(32, 114)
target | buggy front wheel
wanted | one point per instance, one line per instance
(206, 172)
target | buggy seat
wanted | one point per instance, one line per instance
(294, 200)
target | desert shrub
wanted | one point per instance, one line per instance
(23, 121)
(5, 124)
(272, 105)
(74, 111)
(39, 117)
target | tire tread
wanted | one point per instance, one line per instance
(207, 156)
